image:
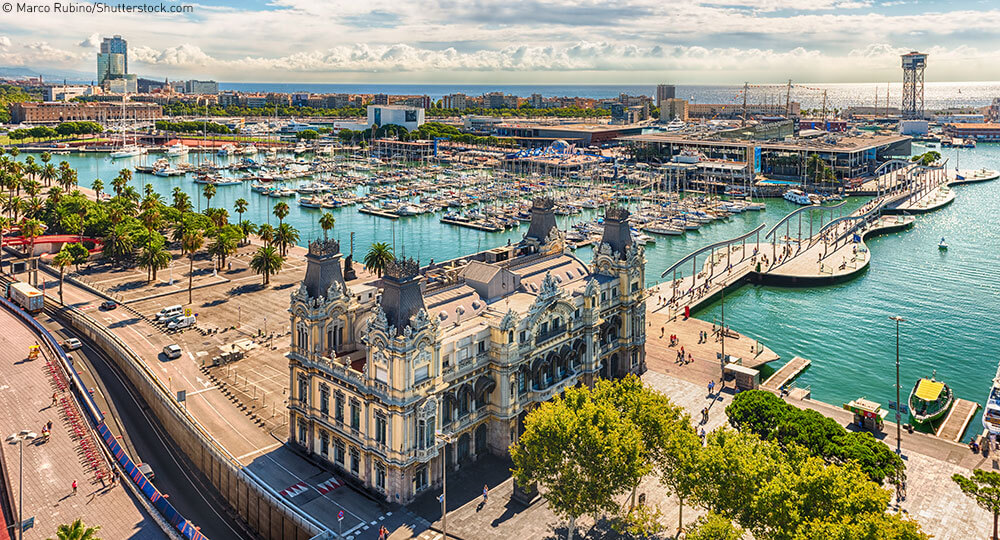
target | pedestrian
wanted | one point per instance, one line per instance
(711, 386)
(54, 395)
(661, 332)
(49, 425)
(74, 487)
(486, 492)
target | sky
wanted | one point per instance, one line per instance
(521, 41)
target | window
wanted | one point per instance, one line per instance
(522, 383)
(338, 409)
(380, 476)
(523, 336)
(324, 443)
(446, 361)
(338, 452)
(421, 434)
(380, 436)
(635, 286)
(420, 373)
(324, 399)
(429, 435)
(544, 328)
(304, 390)
(604, 296)
(355, 415)
(420, 478)
(510, 336)
(355, 461)
(482, 346)
(303, 337)
(576, 314)
(303, 431)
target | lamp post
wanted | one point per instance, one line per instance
(446, 439)
(19, 438)
(722, 334)
(899, 416)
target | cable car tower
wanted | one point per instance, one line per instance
(913, 85)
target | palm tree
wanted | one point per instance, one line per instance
(285, 236)
(241, 205)
(48, 174)
(68, 178)
(118, 244)
(266, 261)
(378, 257)
(280, 211)
(327, 221)
(46, 157)
(76, 531)
(32, 229)
(97, 186)
(219, 216)
(62, 259)
(208, 192)
(266, 233)
(182, 201)
(223, 246)
(153, 257)
(122, 180)
(191, 242)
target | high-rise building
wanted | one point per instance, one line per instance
(664, 92)
(110, 66)
(116, 45)
(674, 109)
(456, 101)
(201, 87)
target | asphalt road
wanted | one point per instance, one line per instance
(146, 440)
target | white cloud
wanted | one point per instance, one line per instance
(4, 42)
(92, 42)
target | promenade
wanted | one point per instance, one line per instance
(51, 466)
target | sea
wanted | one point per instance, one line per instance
(937, 95)
(949, 299)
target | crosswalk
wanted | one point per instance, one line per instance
(329, 485)
(295, 489)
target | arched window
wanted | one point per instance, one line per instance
(302, 338)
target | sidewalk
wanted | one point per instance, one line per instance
(51, 466)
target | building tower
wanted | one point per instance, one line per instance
(664, 92)
(913, 85)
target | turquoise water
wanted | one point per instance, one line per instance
(948, 298)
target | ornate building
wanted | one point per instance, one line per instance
(457, 351)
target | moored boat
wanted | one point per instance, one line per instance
(930, 399)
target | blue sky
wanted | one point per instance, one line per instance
(525, 41)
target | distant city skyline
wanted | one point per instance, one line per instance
(526, 41)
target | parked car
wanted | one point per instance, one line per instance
(181, 323)
(172, 351)
(167, 312)
(108, 305)
(146, 471)
(71, 344)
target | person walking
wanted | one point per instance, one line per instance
(54, 396)
(711, 386)
(74, 487)
(486, 492)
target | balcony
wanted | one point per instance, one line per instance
(550, 335)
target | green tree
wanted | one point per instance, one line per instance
(153, 258)
(120, 181)
(266, 233)
(307, 135)
(181, 200)
(712, 526)
(378, 257)
(208, 192)
(118, 243)
(224, 245)
(284, 236)
(240, 206)
(61, 260)
(97, 185)
(280, 211)
(191, 242)
(76, 531)
(79, 253)
(581, 451)
(984, 488)
(327, 221)
(266, 262)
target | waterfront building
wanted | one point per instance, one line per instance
(201, 87)
(116, 45)
(457, 101)
(57, 112)
(537, 101)
(663, 93)
(464, 348)
(480, 125)
(538, 134)
(124, 84)
(734, 110)
(409, 117)
(380, 99)
(65, 92)
(110, 66)
(673, 109)
(982, 132)
(628, 114)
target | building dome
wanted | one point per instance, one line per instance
(559, 145)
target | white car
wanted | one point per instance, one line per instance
(183, 322)
(172, 351)
(71, 344)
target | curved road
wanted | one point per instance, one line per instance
(146, 440)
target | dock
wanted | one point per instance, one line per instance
(786, 374)
(958, 420)
(472, 225)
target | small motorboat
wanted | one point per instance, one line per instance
(930, 399)
(942, 245)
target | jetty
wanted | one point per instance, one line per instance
(958, 419)
(378, 213)
(786, 374)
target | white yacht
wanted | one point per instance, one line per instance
(177, 150)
(798, 196)
(991, 412)
(130, 150)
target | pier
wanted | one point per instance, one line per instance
(786, 374)
(958, 419)
(472, 225)
(378, 213)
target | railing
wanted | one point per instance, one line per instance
(694, 254)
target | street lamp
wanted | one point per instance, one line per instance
(722, 335)
(443, 499)
(899, 407)
(19, 438)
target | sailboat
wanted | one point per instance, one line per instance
(126, 150)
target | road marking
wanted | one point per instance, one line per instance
(258, 451)
(329, 485)
(196, 392)
(191, 356)
(297, 488)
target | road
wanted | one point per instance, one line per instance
(146, 441)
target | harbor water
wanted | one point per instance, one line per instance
(948, 298)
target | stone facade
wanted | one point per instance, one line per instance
(389, 389)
